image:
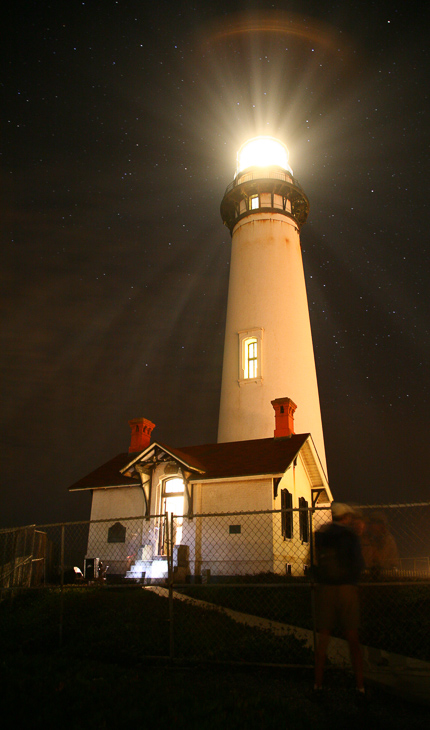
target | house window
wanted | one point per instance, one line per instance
(172, 503)
(116, 533)
(235, 529)
(173, 496)
(304, 519)
(174, 486)
(250, 355)
(286, 514)
(254, 202)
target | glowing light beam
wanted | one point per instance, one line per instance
(262, 152)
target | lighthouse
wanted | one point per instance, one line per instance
(269, 458)
(268, 350)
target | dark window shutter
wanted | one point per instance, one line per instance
(286, 514)
(304, 519)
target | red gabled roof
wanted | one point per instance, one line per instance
(107, 475)
(209, 461)
(243, 458)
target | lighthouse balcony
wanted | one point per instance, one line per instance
(264, 189)
(264, 173)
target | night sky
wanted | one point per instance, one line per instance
(120, 126)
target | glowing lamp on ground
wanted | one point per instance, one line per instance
(263, 152)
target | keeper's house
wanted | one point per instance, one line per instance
(203, 500)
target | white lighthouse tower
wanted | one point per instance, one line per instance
(268, 351)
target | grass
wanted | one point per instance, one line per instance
(394, 618)
(102, 677)
(134, 623)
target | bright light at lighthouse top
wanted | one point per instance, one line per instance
(263, 152)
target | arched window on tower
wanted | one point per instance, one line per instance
(250, 355)
(251, 360)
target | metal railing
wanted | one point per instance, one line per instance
(262, 174)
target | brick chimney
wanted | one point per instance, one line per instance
(284, 417)
(141, 430)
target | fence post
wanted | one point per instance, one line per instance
(32, 556)
(169, 545)
(312, 558)
(3, 562)
(61, 587)
(14, 550)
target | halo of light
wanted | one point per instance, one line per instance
(262, 152)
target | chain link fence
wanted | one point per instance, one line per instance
(230, 587)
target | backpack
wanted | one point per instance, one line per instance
(330, 558)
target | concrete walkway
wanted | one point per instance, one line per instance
(406, 676)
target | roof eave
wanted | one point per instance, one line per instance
(103, 486)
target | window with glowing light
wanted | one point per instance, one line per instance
(250, 355)
(251, 359)
(173, 496)
(172, 503)
(173, 486)
(255, 202)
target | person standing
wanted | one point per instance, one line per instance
(339, 566)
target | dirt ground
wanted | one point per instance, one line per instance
(47, 692)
